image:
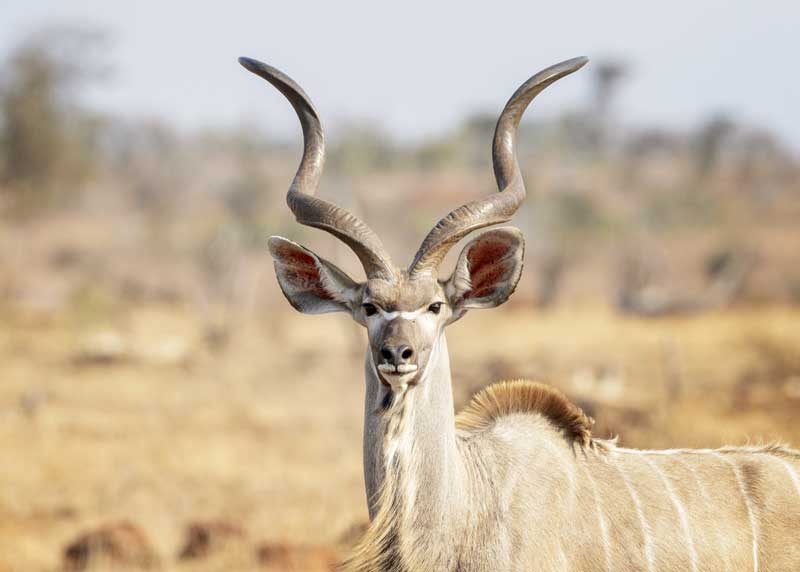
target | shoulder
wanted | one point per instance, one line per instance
(505, 399)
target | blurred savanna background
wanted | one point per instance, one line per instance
(161, 405)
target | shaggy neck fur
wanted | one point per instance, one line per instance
(413, 473)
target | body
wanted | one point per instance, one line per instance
(522, 485)
(516, 481)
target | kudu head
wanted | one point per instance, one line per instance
(405, 310)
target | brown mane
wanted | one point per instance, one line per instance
(522, 396)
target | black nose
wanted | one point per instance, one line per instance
(397, 355)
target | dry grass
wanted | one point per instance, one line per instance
(267, 435)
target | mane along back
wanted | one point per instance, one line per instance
(520, 396)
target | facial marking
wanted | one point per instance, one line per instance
(421, 315)
(402, 368)
(389, 316)
(418, 328)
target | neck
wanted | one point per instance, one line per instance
(412, 469)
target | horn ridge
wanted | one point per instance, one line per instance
(308, 209)
(504, 152)
(500, 207)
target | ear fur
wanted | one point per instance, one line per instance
(310, 283)
(487, 271)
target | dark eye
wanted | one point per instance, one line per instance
(370, 309)
(436, 307)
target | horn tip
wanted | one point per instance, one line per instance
(562, 69)
(577, 63)
(250, 64)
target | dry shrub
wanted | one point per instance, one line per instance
(772, 377)
(120, 545)
(204, 538)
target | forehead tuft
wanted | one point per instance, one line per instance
(405, 294)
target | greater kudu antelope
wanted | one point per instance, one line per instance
(516, 481)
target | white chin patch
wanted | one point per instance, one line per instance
(397, 376)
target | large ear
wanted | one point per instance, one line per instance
(487, 270)
(310, 283)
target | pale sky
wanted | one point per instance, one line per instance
(419, 66)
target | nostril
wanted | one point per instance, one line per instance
(386, 354)
(407, 353)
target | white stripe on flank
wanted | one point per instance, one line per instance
(561, 460)
(563, 557)
(706, 510)
(601, 518)
(748, 504)
(792, 474)
(646, 532)
(679, 508)
(569, 471)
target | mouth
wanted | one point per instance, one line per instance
(399, 375)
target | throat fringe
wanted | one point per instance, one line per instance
(379, 549)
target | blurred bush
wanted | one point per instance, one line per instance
(193, 207)
(47, 138)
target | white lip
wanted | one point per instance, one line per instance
(397, 377)
(402, 369)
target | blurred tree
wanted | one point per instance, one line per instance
(608, 75)
(46, 137)
(149, 156)
(710, 142)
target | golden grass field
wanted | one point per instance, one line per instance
(157, 430)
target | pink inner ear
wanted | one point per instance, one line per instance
(306, 280)
(486, 267)
(300, 271)
(294, 257)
